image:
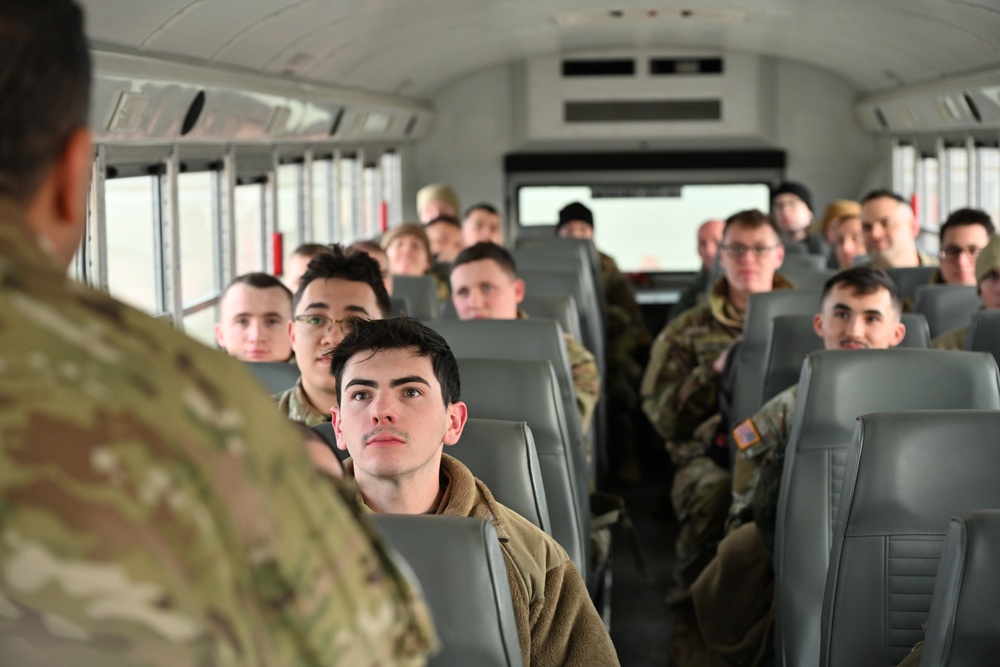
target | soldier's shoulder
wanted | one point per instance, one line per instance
(953, 339)
(692, 320)
(575, 348)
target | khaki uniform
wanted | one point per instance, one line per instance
(293, 404)
(680, 394)
(586, 377)
(153, 508)
(954, 339)
(557, 623)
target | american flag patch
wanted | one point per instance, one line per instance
(745, 434)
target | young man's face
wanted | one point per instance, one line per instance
(407, 256)
(576, 229)
(851, 321)
(750, 256)
(482, 226)
(889, 229)
(848, 241)
(392, 418)
(319, 326)
(791, 214)
(989, 289)
(446, 240)
(253, 323)
(959, 249)
(483, 291)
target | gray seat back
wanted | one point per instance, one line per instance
(962, 628)
(984, 333)
(907, 473)
(529, 234)
(946, 306)
(763, 308)
(519, 390)
(803, 262)
(502, 454)
(460, 567)
(398, 305)
(420, 293)
(793, 338)
(835, 387)
(559, 307)
(325, 431)
(804, 278)
(908, 279)
(274, 376)
(569, 282)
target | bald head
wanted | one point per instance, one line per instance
(709, 237)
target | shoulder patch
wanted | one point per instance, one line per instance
(746, 434)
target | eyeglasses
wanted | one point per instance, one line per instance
(953, 252)
(740, 250)
(319, 324)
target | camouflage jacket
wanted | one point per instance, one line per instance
(954, 339)
(625, 327)
(586, 377)
(763, 436)
(293, 404)
(155, 510)
(557, 623)
(680, 388)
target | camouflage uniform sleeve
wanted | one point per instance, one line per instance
(951, 340)
(679, 388)
(586, 378)
(625, 324)
(763, 435)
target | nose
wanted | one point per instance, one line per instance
(857, 327)
(256, 331)
(382, 410)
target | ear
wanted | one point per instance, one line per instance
(337, 432)
(898, 335)
(779, 253)
(458, 414)
(291, 331)
(818, 324)
(73, 169)
(519, 290)
(218, 336)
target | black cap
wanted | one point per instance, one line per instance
(575, 211)
(797, 189)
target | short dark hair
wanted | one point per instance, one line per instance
(445, 220)
(399, 333)
(354, 266)
(964, 217)
(258, 280)
(481, 206)
(310, 250)
(751, 218)
(486, 250)
(864, 280)
(44, 89)
(886, 194)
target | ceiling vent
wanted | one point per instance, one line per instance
(589, 17)
(685, 66)
(128, 112)
(641, 111)
(608, 67)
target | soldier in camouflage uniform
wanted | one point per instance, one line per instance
(988, 284)
(485, 285)
(153, 508)
(336, 286)
(890, 229)
(624, 334)
(860, 309)
(680, 387)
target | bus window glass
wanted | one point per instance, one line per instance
(131, 265)
(623, 214)
(989, 191)
(905, 161)
(347, 172)
(249, 227)
(957, 178)
(321, 201)
(201, 325)
(928, 206)
(198, 270)
(288, 207)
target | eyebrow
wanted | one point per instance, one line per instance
(870, 311)
(398, 382)
(272, 313)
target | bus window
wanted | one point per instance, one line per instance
(904, 168)
(347, 183)
(131, 265)
(624, 214)
(928, 207)
(321, 186)
(988, 161)
(249, 227)
(198, 257)
(289, 207)
(956, 173)
(200, 325)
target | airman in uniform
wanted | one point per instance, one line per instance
(988, 285)
(154, 509)
(680, 386)
(890, 231)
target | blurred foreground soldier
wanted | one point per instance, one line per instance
(988, 286)
(860, 309)
(709, 238)
(156, 510)
(253, 318)
(792, 211)
(681, 384)
(399, 391)
(435, 200)
(961, 238)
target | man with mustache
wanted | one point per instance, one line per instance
(336, 286)
(399, 404)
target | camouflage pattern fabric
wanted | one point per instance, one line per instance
(586, 378)
(923, 259)
(155, 511)
(293, 404)
(625, 327)
(953, 339)
(764, 436)
(700, 497)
